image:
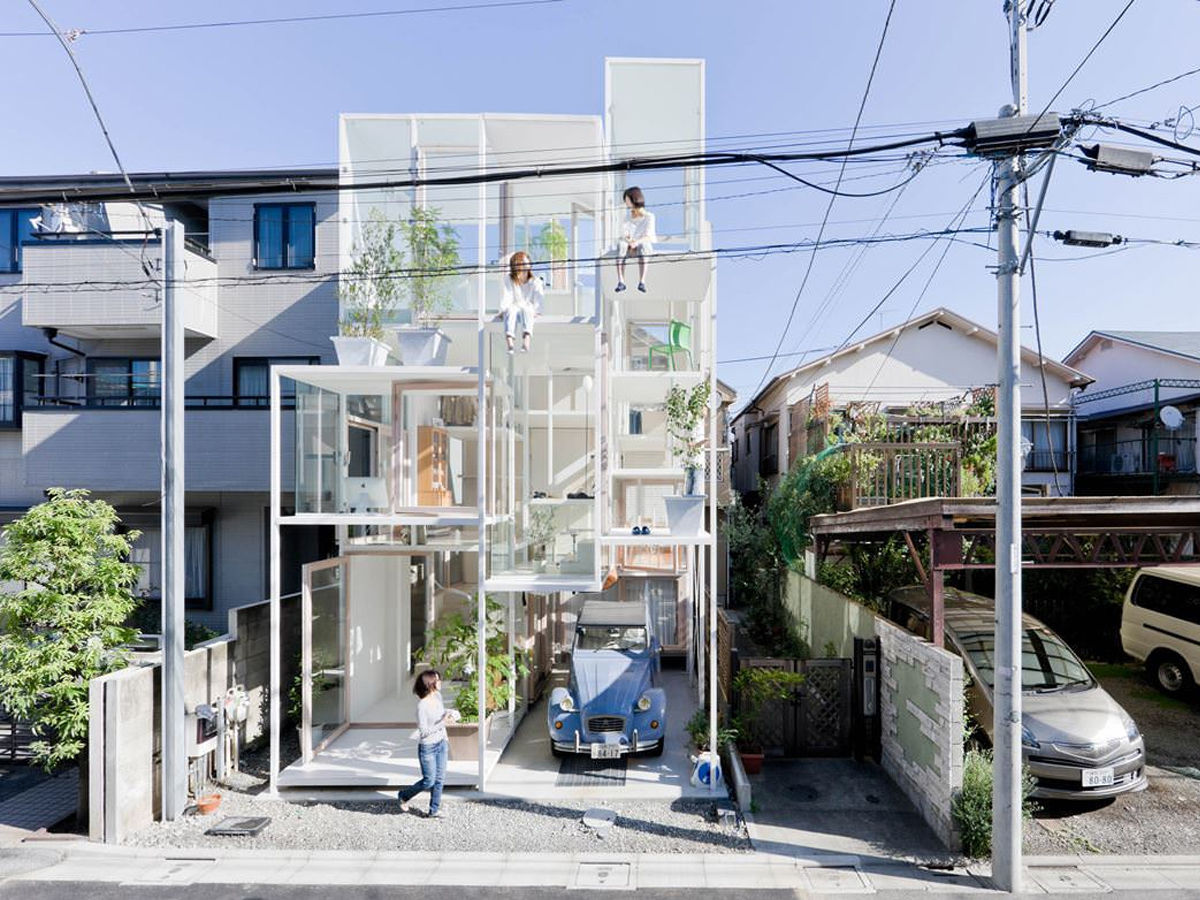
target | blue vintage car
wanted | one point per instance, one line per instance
(612, 705)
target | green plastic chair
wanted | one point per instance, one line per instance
(679, 340)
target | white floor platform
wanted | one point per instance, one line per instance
(372, 757)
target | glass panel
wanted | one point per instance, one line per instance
(195, 562)
(268, 242)
(328, 649)
(7, 407)
(8, 249)
(300, 237)
(110, 381)
(31, 372)
(318, 448)
(144, 380)
(252, 385)
(24, 230)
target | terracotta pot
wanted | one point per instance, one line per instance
(751, 762)
(208, 804)
(463, 738)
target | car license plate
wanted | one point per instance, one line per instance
(612, 751)
(1098, 777)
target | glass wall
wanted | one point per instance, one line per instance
(325, 608)
(320, 423)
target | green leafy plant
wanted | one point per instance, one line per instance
(320, 684)
(686, 411)
(452, 647)
(370, 288)
(432, 250)
(756, 687)
(697, 729)
(65, 622)
(971, 807)
(542, 526)
(551, 241)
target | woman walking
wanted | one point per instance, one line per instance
(522, 299)
(433, 747)
(637, 237)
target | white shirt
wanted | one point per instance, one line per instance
(527, 296)
(640, 230)
(431, 719)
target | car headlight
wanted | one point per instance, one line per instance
(643, 703)
(566, 704)
(1027, 738)
(1131, 729)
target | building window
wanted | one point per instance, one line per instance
(197, 552)
(1048, 445)
(15, 227)
(768, 451)
(124, 381)
(284, 235)
(20, 385)
(252, 379)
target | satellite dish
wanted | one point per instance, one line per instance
(1171, 417)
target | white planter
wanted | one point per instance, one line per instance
(418, 346)
(685, 515)
(360, 351)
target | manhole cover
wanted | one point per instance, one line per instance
(600, 819)
(603, 876)
(805, 793)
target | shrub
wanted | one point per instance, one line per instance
(972, 806)
(697, 729)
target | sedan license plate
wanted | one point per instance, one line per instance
(1098, 777)
(613, 751)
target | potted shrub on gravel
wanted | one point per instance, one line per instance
(430, 259)
(686, 411)
(756, 687)
(369, 292)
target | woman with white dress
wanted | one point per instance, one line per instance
(637, 237)
(522, 299)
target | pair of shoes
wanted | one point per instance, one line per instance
(642, 286)
(641, 529)
(434, 814)
(403, 803)
(539, 495)
(620, 287)
(510, 351)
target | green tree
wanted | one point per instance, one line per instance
(432, 251)
(370, 288)
(64, 624)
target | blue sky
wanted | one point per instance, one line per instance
(270, 95)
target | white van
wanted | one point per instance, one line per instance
(1160, 625)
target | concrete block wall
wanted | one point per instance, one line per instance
(921, 706)
(125, 711)
(826, 617)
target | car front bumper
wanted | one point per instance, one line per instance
(627, 746)
(1060, 774)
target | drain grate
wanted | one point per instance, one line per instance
(583, 771)
(603, 876)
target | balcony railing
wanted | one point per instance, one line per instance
(1173, 455)
(890, 472)
(150, 400)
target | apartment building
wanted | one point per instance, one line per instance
(505, 487)
(80, 336)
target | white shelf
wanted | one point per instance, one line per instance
(560, 501)
(649, 387)
(663, 474)
(662, 538)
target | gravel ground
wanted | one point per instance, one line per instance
(1163, 819)
(494, 826)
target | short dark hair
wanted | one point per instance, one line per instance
(635, 196)
(426, 683)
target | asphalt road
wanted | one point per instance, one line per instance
(26, 890)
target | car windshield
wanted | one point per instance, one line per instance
(1046, 662)
(610, 637)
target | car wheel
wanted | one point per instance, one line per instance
(1170, 674)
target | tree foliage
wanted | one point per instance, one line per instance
(370, 289)
(64, 624)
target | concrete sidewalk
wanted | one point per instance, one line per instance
(817, 874)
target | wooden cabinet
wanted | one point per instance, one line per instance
(433, 467)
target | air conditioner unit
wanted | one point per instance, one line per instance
(1115, 463)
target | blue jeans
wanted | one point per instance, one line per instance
(433, 774)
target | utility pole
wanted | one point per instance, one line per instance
(1007, 784)
(174, 745)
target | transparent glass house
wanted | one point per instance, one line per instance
(493, 489)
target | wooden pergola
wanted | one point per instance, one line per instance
(947, 534)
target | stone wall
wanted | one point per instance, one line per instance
(125, 729)
(922, 723)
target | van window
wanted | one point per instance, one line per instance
(1171, 598)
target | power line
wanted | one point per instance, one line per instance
(76, 33)
(1149, 88)
(832, 199)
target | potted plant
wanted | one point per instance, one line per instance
(453, 649)
(541, 531)
(697, 729)
(686, 411)
(756, 687)
(431, 257)
(369, 292)
(551, 242)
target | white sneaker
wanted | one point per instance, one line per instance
(403, 805)
(433, 814)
